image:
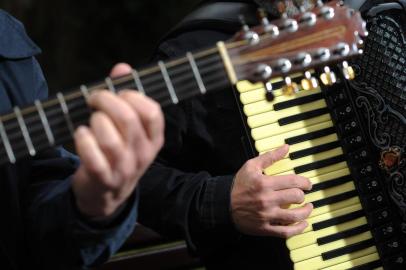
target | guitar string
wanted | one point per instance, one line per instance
(21, 145)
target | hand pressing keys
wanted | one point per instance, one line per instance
(258, 201)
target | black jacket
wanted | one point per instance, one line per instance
(187, 192)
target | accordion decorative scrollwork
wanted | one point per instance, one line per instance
(380, 95)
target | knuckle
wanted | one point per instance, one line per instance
(262, 202)
(298, 194)
(259, 184)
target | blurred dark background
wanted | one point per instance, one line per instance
(81, 40)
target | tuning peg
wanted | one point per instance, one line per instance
(250, 36)
(342, 49)
(327, 12)
(269, 91)
(263, 71)
(323, 54)
(290, 25)
(303, 59)
(308, 18)
(319, 3)
(328, 77)
(283, 65)
(290, 87)
(348, 71)
(269, 28)
(309, 82)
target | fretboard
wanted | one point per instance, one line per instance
(33, 129)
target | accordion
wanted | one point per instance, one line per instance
(350, 140)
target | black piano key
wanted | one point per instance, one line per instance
(319, 164)
(314, 150)
(297, 101)
(335, 199)
(330, 183)
(302, 116)
(310, 136)
(342, 235)
(347, 249)
(337, 220)
(368, 266)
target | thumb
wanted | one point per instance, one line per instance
(269, 158)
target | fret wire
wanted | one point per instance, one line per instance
(24, 130)
(65, 111)
(85, 91)
(45, 123)
(168, 82)
(6, 143)
(110, 85)
(203, 64)
(212, 82)
(158, 88)
(52, 120)
(137, 81)
(196, 73)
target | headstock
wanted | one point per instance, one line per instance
(327, 34)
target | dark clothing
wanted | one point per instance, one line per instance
(187, 192)
(40, 226)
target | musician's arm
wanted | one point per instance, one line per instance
(178, 199)
(58, 235)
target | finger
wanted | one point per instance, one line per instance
(267, 159)
(91, 156)
(150, 114)
(107, 136)
(279, 182)
(286, 231)
(121, 113)
(289, 196)
(290, 216)
(120, 69)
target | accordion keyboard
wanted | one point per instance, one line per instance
(339, 235)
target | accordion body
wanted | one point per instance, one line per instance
(350, 140)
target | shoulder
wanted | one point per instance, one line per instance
(14, 41)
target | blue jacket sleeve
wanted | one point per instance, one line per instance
(56, 236)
